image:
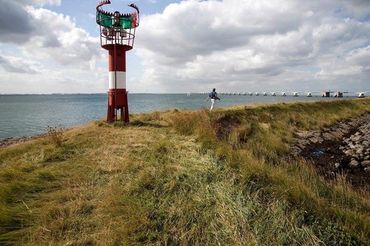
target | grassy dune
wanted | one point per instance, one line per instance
(182, 178)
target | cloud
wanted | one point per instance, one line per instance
(44, 34)
(16, 25)
(233, 45)
(60, 40)
(16, 65)
(244, 44)
(39, 2)
(47, 49)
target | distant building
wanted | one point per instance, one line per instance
(361, 95)
(326, 94)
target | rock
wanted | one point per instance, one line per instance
(337, 134)
(348, 152)
(367, 157)
(355, 138)
(304, 134)
(354, 164)
(367, 169)
(337, 165)
(328, 136)
(365, 163)
(315, 139)
(359, 150)
(351, 146)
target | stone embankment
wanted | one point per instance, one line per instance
(342, 148)
(357, 148)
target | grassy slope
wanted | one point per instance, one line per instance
(181, 178)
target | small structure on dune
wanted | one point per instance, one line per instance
(117, 35)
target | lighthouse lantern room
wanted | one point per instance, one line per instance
(117, 35)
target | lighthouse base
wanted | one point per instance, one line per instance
(117, 106)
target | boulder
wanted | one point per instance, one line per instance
(355, 138)
(348, 152)
(365, 163)
(328, 136)
(352, 146)
(354, 163)
(359, 150)
(315, 139)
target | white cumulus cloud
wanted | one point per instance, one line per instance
(50, 53)
(241, 45)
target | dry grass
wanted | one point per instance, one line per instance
(181, 178)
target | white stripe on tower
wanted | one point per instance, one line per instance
(121, 80)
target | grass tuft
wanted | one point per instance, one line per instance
(56, 135)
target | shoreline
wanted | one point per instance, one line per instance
(9, 141)
(18, 140)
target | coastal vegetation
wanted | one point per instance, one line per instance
(182, 178)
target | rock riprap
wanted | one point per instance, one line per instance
(341, 148)
(357, 147)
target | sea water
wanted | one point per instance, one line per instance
(27, 115)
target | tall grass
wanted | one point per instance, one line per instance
(182, 178)
(261, 136)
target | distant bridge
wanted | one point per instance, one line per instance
(335, 94)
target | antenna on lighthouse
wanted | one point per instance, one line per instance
(117, 35)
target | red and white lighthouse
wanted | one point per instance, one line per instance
(117, 35)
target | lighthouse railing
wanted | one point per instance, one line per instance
(116, 35)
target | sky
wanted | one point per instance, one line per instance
(52, 46)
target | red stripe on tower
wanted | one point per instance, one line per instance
(118, 64)
(117, 99)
